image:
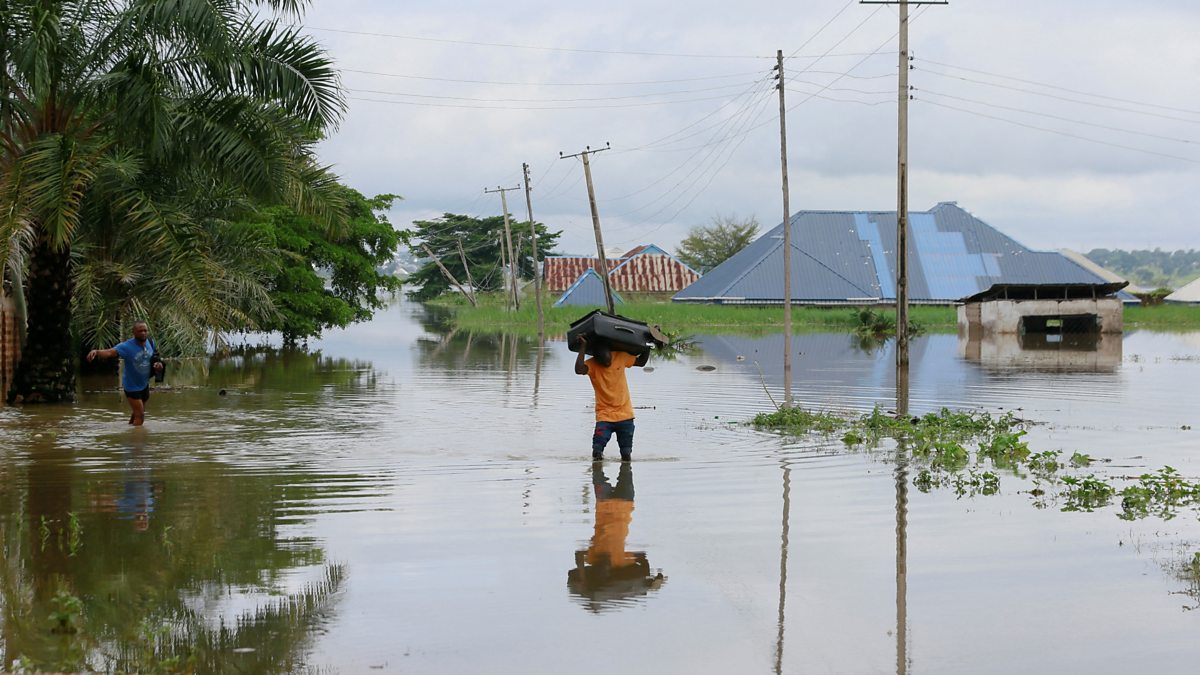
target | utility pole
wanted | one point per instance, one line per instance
(902, 178)
(587, 172)
(466, 268)
(449, 276)
(512, 260)
(787, 241)
(537, 266)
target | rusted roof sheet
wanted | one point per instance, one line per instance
(648, 273)
(644, 269)
(559, 272)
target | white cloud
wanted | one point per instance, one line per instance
(1046, 187)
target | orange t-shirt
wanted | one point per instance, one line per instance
(612, 391)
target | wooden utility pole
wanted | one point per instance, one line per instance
(466, 268)
(537, 266)
(512, 260)
(787, 241)
(587, 173)
(902, 178)
(449, 276)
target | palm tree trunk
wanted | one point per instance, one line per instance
(46, 371)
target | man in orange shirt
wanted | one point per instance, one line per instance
(614, 409)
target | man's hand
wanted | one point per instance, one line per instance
(158, 366)
(582, 343)
(91, 356)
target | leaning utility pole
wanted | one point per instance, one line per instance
(466, 268)
(512, 260)
(449, 276)
(537, 266)
(902, 178)
(787, 242)
(587, 172)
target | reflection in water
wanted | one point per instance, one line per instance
(82, 589)
(783, 558)
(901, 478)
(1050, 352)
(605, 574)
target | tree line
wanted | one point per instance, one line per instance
(1150, 269)
(157, 161)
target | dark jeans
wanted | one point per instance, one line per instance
(143, 395)
(605, 430)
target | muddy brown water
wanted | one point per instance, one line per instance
(404, 499)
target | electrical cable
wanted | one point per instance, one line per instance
(1062, 133)
(1061, 88)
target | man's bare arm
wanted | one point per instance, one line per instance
(581, 367)
(102, 353)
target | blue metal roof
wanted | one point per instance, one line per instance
(587, 291)
(849, 257)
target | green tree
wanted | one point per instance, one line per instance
(308, 255)
(480, 238)
(705, 247)
(131, 110)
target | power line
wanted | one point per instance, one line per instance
(1059, 98)
(551, 84)
(551, 107)
(1063, 133)
(549, 100)
(575, 50)
(1061, 88)
(1054, 117)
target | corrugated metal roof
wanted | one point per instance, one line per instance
(1102, 272)
(1189, 293)
(588, 291)
(559, 272)
(842, 256)
(649, 269)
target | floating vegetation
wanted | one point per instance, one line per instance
(967, 451)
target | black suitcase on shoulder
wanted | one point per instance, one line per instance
(627, 335)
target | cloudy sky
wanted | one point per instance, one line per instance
(1072, 123)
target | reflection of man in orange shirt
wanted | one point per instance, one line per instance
(606, 574)
(614, 409)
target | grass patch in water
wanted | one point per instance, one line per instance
(1163, 317)
(492, 316)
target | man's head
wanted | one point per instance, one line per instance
(602, 354)
(140, 331)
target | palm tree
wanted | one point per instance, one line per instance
(122, 118)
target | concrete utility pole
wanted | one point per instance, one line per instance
(787, 241)
(902, 178)
(512, 260)
(587, 172)
(537, 265)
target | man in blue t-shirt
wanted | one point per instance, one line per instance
(136, 354)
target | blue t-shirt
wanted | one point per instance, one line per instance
(135, 376)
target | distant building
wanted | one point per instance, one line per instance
(644, 269)
(1189, 294)
(848, 258)
(587, 291)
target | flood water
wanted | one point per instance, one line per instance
(400, 498)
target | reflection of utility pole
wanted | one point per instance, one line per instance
(537, 266)
(587, 172)
(512, 260)
(901, 526)
(902, 177)
(787, 242)
(783, 556)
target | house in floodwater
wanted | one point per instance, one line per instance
(1189, 294)
(849, 258)
(644, 269)
(587, 291)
